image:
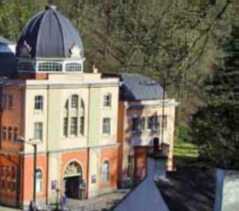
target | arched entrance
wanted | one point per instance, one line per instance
(73, 179)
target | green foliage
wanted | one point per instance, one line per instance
(215, 127)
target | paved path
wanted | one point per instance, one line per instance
(96, 204)
(100, 203)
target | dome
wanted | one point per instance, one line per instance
(49, 35)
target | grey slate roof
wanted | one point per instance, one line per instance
(5, 41)
(48, 34)
(136, 87)
(189, 189)
(8, 64)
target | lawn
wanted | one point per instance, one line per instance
(186, 155)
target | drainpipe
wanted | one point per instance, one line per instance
(47, 152)
(88, 147)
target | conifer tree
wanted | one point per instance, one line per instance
(215, 127)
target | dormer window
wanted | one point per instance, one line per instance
(50, 67)
(73, 67)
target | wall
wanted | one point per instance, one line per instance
(141, 140)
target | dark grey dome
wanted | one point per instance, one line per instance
(49, 35)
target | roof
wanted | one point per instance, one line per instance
(145, 197)
(189, 189)
(49, 34)
(8, 64)
(5, 41)
(136, 87)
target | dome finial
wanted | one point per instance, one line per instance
(51, 6)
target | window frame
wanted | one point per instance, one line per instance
(38, 131)
(73, 126)
(39, 180)
(107, 100)
(38, 103)
(105, 171)
(104, 126)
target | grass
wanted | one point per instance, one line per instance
(186, 155)
(185, 149)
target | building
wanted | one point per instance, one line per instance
(187, 189)
(69, 114)
(92, 131)
(144, 114)
(7, 57)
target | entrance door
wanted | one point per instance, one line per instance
(72, 187)
(74, 184)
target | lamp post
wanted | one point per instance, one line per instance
(34, 145)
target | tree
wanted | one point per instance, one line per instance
(215, 127)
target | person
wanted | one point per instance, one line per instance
(63, 201)
(32, 206)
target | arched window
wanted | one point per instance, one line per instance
(39, 178)
(106, 171)
(38, 103)
(74, 117)
(74, 101)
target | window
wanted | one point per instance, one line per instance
(74, 124)
(73, 67)
(106, 171)
(65, 126)
(50, 67)
(15, 134)
(4, 133)
(106, 126)
(38, 102)
(38, 130)
(74, 117)
(136, 124)
(9, 133)
(107, 100)
(38, 180)
(153, 123)
(82, 125)
(74, 101)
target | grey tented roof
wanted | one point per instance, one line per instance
(136, 87)
(48, 35)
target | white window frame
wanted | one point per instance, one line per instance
(38, 103)
(107, 100)
(39, 180)
(104, 126)
(38, 131)
(105, 174)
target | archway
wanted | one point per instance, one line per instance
(73, 179)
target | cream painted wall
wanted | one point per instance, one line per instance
(145, 138)
(53, 113)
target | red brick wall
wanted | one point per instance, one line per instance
(110, 155)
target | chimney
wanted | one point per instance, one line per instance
(227, 190)
(156, 164)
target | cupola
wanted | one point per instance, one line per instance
(50, 43)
